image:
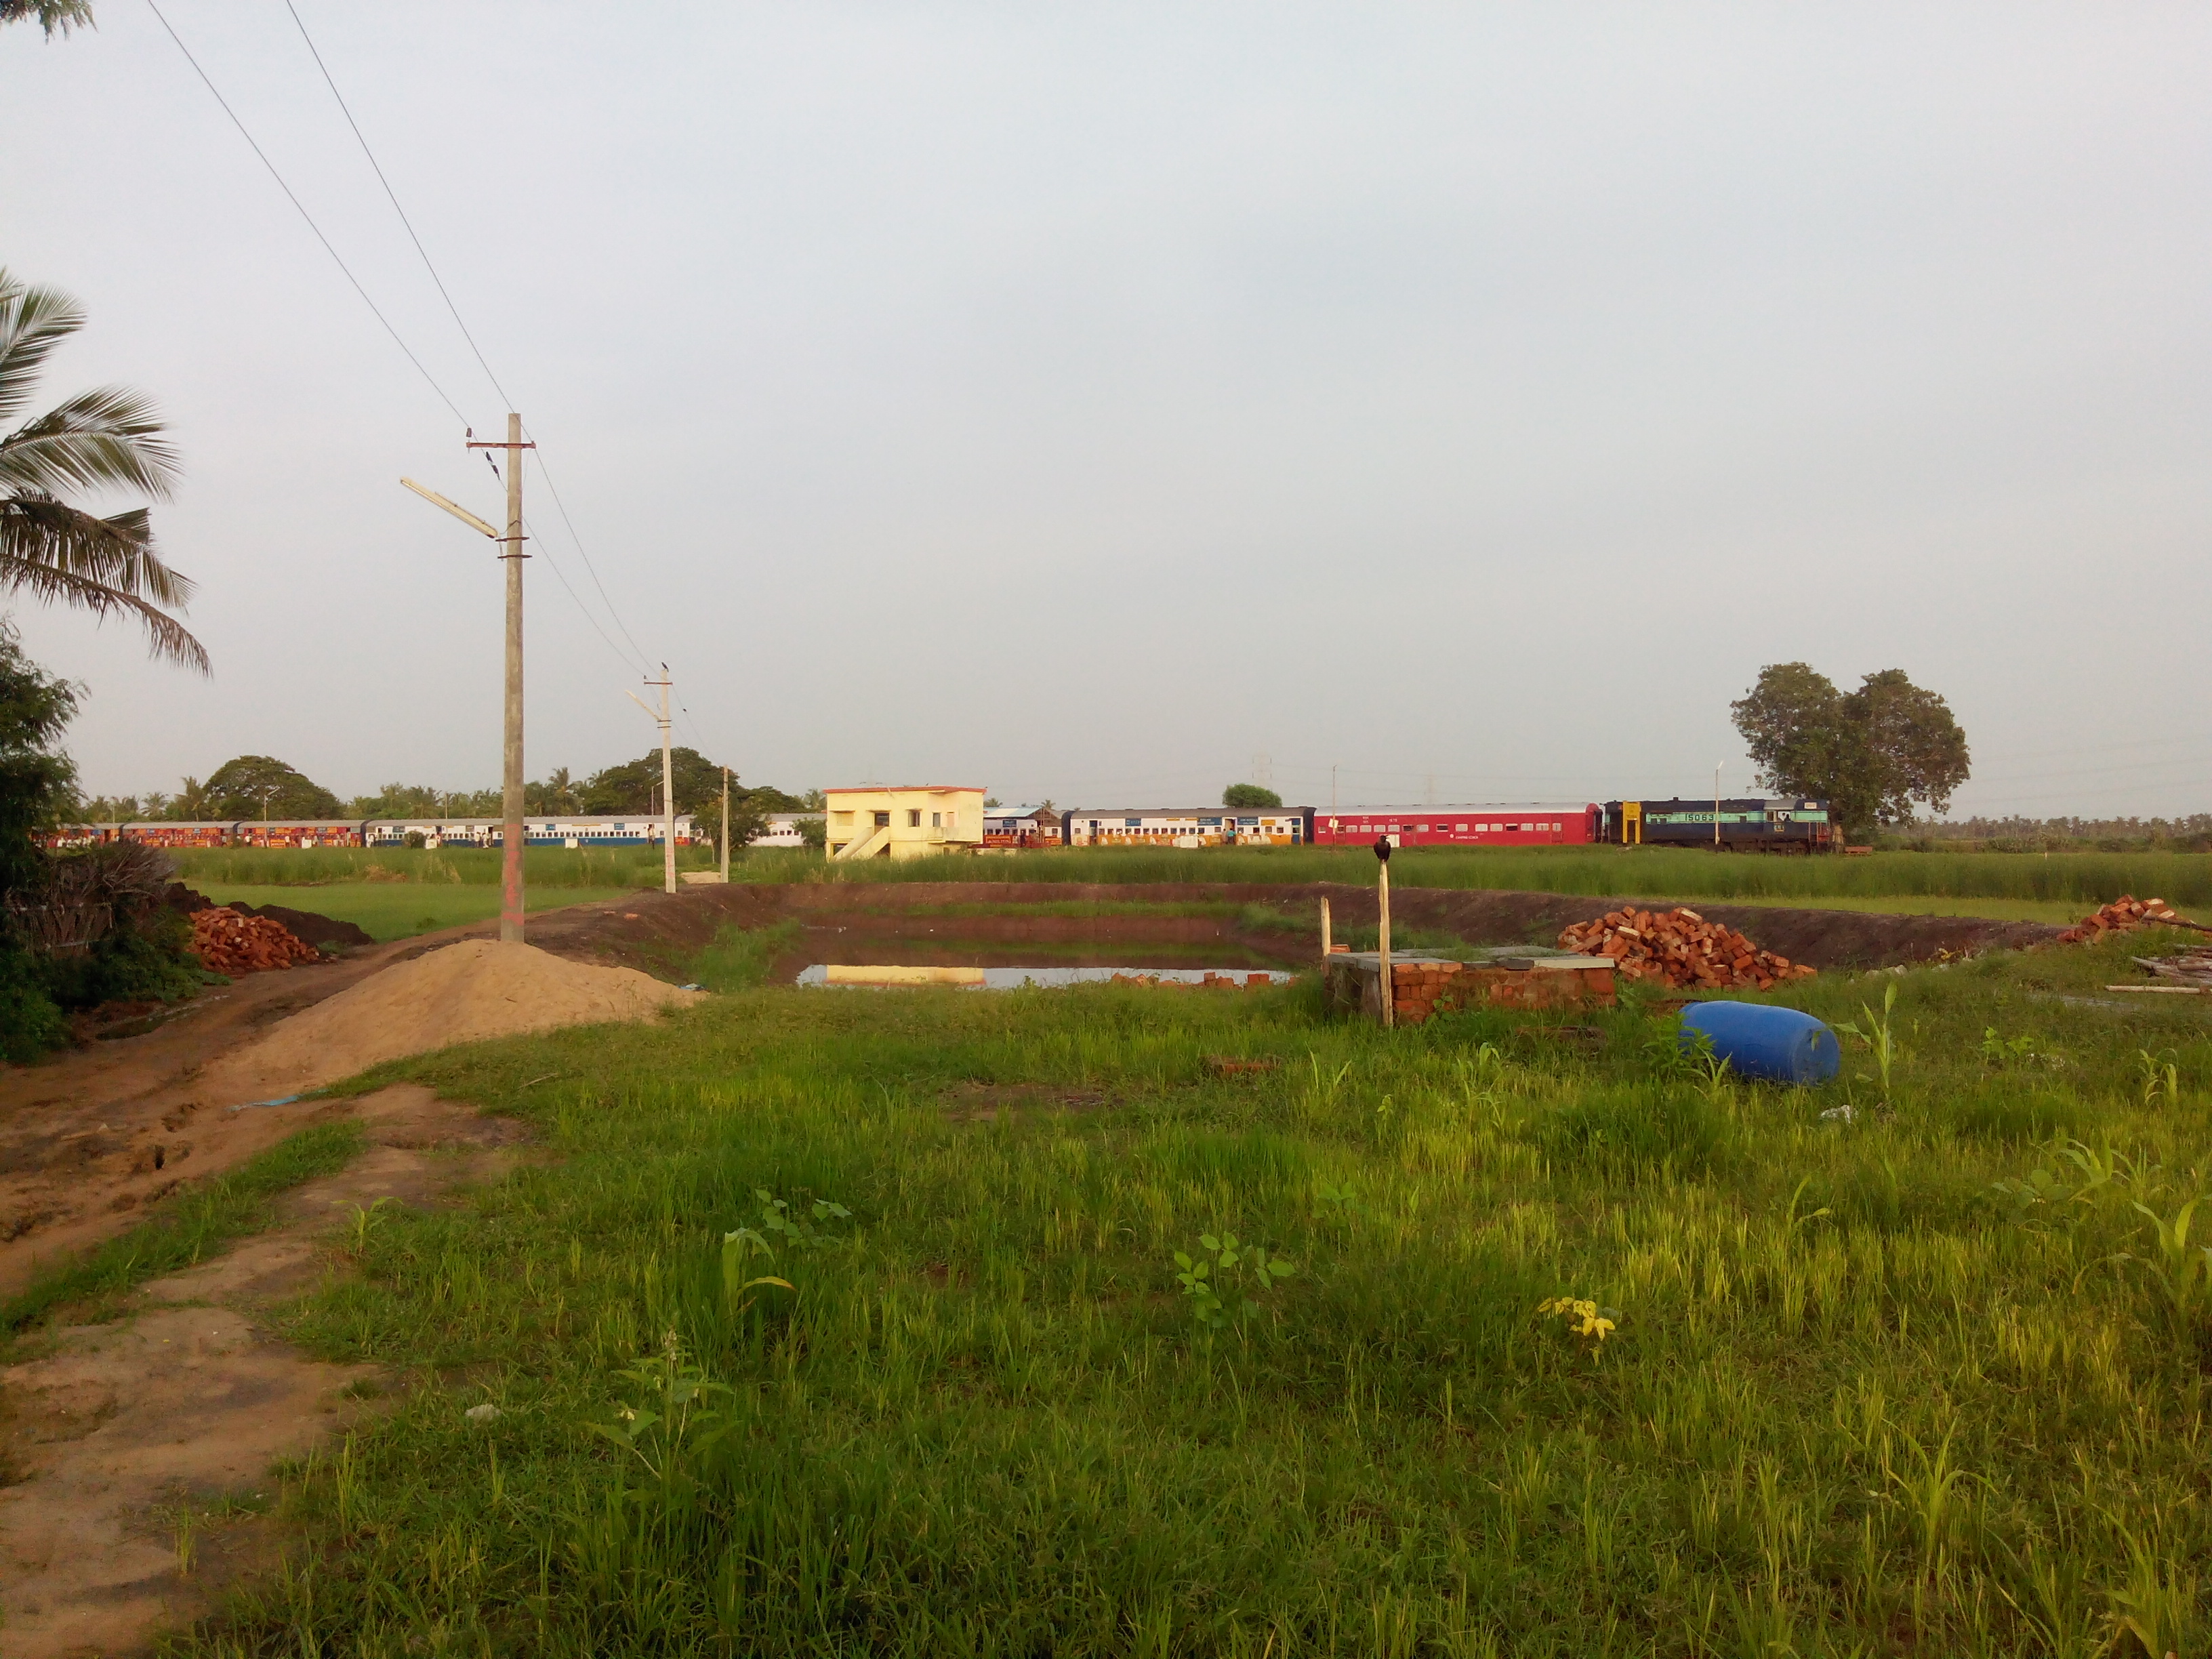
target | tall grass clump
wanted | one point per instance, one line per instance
(1919, 1377)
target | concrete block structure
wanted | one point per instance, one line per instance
(911, 821)
(1423, 983)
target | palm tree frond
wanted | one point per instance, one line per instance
(99, 439)
(55, 16)
(33, 322)
(116, 551)
(56, 552)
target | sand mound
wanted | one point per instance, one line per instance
(465, 992)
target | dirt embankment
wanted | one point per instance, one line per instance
(658, 931)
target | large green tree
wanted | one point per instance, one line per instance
(635, 787)
(263, 787)
(108, 438)
(1249, 795)
(37, 780)
(1873, 754)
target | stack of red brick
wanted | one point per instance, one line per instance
(1680, 947)
(2123, 914)
(228, 943)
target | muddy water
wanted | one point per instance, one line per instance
(877, 976)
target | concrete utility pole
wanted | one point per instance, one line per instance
(1716, 804)
(667, 781)
(510, 889)
(725, 825)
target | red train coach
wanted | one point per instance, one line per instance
(1459, 826)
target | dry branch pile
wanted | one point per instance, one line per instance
(228, 943)
(2123, 914)
(1681, 948)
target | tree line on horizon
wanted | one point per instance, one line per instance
(263, 787)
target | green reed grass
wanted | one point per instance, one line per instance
(401, 909)
(2086, 878)
(1863, 1397)
(479, 867)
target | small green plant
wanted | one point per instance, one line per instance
(1586, 1321)
(1339, 1203)
(1712, 1071)
(1879, 1035)
(2077, 1173)
(1670, 1052)
(366, 1219)
(1224, 1284)
(2000, 1053)
(778, 1220)
(676, 1413)
(2039, 1196)
(2161, 1077)
(2178, 1269)
(737, 1246)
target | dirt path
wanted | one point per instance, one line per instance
(92, 1136)
(137, 1453)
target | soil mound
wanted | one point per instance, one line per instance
(465, 992)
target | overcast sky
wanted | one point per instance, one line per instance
(1085, 401)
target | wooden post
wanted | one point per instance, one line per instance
(1383, 946)
(726, 824)
(1324, 932)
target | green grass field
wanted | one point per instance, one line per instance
(464, 867)
(388, 910)
(2068, 879)
(2066, 884)
(1929, 1380)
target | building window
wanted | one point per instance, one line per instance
(883, 820)
(937, 821)
(914, 817)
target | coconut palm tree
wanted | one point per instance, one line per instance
(106, 438)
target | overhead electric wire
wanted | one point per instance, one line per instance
(393, 197)
(644, 657)
(444, 294)
(428, 377)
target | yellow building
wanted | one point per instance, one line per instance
(915, 822)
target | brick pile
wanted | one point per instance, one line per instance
(228, 943)
(1680, 947)
(2123, 914)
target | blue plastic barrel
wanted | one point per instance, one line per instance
(1779, 1044)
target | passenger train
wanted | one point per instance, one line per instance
(636, 831)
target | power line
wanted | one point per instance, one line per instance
(430, 265)
(644, 657)
(305, 215)
(392, 196)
